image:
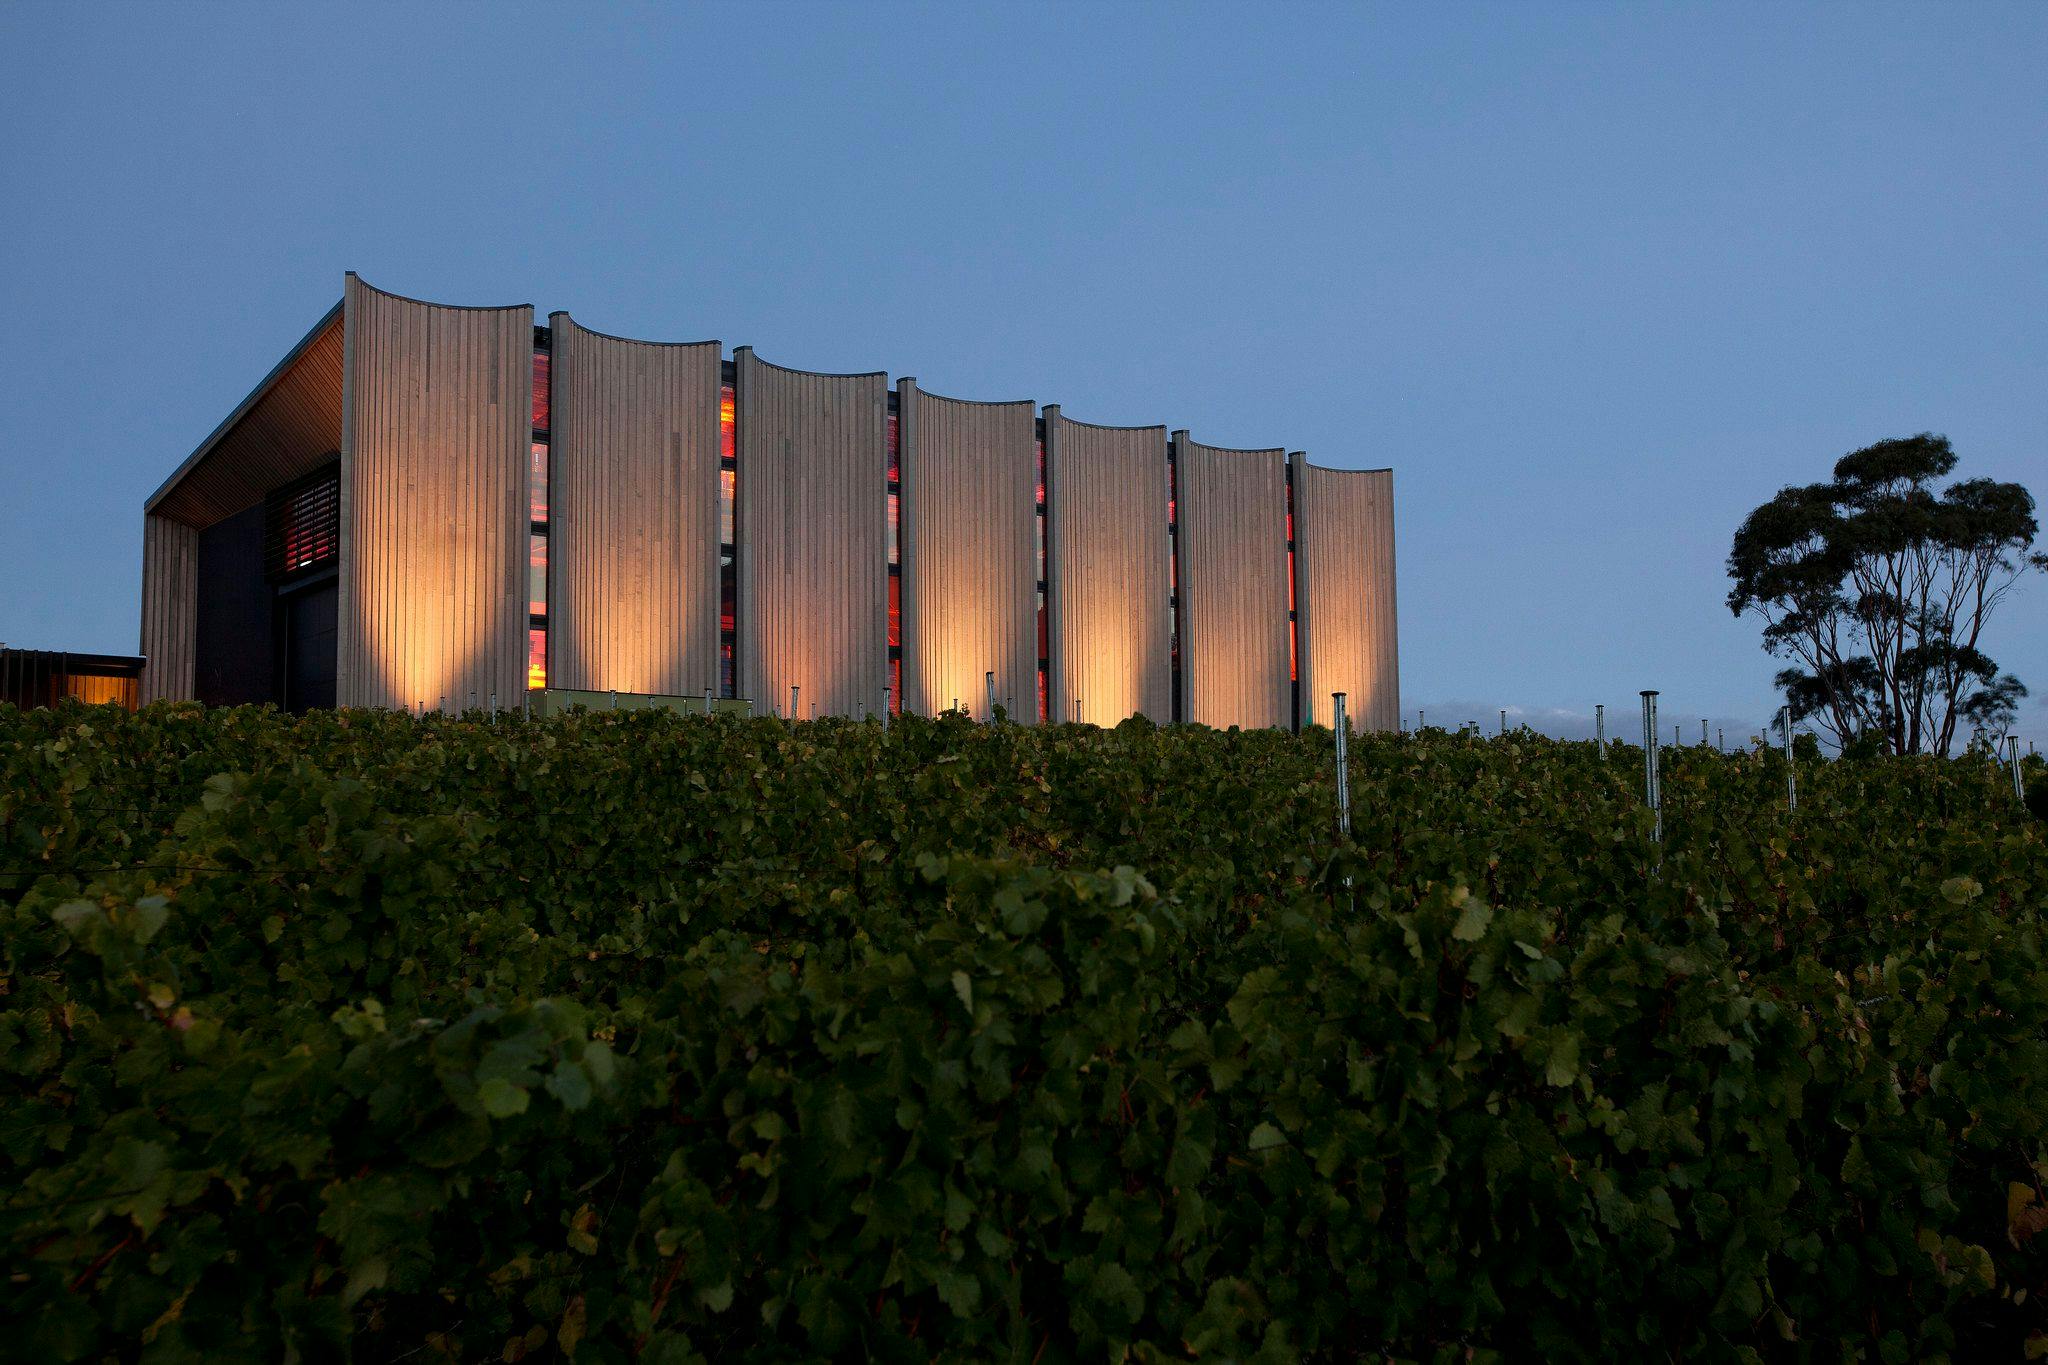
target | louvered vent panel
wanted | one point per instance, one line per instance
(302, 525)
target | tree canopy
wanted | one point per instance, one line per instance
(1877, 587)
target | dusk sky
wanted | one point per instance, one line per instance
(1594, 280)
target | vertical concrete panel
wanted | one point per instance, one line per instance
(1232, 515)
(170, 609)
(1107, 564)
(813, 538)
(970, 553)
(1386, 698)
(1344, 563)
(435, 423)
(633, 513)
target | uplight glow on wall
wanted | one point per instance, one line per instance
(512, 507)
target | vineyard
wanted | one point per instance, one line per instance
(637, 1035)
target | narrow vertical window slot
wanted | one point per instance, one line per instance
(728, 531)
(894, 481)
(1293, 630)
(1173, 568)
(537, 513)
(1044, 636)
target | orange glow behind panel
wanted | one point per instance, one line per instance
(542, 364)
(537, 574)
(537, 480)
(94, 690)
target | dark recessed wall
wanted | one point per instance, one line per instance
(306, 617)
(236, 651)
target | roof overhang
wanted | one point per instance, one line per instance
(287, 427)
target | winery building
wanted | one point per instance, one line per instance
(436, 507)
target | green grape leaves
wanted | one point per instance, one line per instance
(642, 1036)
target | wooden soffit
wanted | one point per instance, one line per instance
(285, 429)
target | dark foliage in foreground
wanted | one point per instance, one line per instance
(638, 1035)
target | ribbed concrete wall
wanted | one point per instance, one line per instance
(813, 578)
(1107, 561)
(633, 514)
(1233, 585)
(429, 406)
(434, 456)
(970, 553)
(1344, 568)
(170, 609)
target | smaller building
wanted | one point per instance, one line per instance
(44, 677)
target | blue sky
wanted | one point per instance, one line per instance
(1593, 279)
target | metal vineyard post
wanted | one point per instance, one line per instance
(1650, 792)
(1343, 728)
(1791, 781)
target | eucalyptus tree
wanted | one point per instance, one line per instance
(1877, 587)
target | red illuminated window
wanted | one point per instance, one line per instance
(895, 493)
(1173, 573)
(1293, 628)
(537, 518)
(728, 532)
(1041, 511)
(302, 525)
(537, 574)
(893, 470)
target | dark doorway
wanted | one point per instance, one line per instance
(307, 653)
(237, 649)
